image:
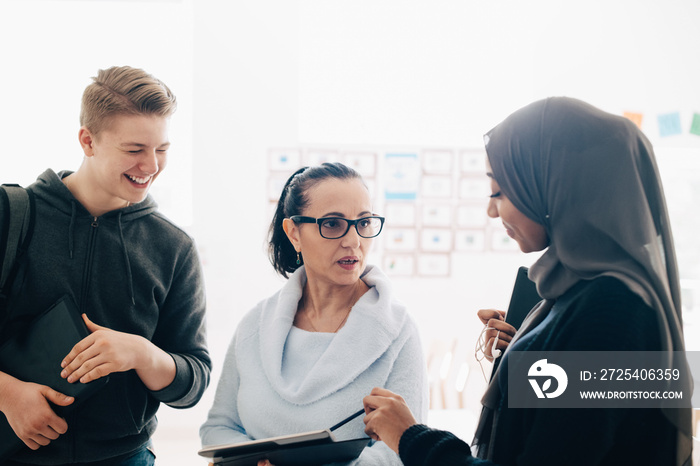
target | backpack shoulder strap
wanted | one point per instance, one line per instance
(17, 229)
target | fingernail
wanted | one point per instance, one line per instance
(63, 364)
(63, 374)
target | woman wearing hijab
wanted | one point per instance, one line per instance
(583, 186)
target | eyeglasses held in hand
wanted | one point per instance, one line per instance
(337, 227)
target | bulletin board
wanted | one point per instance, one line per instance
(434, 198)
(434, 201)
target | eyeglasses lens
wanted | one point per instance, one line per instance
(338, 227)
(334, 228)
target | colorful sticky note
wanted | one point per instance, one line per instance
(695, 126)
(636, 118)
(670, 124)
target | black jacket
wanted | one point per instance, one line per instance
(603, 315)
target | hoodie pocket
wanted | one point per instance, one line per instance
(123, 407)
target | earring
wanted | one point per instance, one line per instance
(298, 258)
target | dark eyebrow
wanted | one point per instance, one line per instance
(489, 174)
(338, 214)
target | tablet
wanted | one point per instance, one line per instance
(307, 449)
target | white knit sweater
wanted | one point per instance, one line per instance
(279, 380)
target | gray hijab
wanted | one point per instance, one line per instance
(591, 179)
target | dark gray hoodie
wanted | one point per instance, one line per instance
(130, 270)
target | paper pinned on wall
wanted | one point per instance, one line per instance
(470, 240)
(402, 176)
(474, 188)
(634, 117)
(400, 214)
(472, 215)
(695, 125)
(363, 162)
(434, 186)
(434, 265)
(437, 215)
(275, 184)
(400, 239)
(399, 264)
(436, 240)
(670, 124)
(285, 160)
(473, 161)
(437, 161)
(315, 157)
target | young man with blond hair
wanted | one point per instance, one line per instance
(134, 275)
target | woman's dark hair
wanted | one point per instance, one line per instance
(293, 201)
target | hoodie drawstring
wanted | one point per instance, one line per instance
(70, 229)
(126, 258)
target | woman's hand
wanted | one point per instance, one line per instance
(388, 416)
(495, 320)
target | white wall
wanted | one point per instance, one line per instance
(408, 73)
(446, 71)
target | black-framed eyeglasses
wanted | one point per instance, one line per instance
(337, 227)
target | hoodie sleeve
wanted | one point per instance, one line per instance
(182, 333)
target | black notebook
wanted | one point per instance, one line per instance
(306, 449)
(35, 356)
(522, 301)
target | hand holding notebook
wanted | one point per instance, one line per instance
(35, 357)
(30, 409)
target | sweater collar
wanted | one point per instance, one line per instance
(374, 323)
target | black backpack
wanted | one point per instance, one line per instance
(16, 234)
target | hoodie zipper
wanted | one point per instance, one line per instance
(86, 281)
(88, 263)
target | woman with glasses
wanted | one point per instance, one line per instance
(304, 358)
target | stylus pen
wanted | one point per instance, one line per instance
(346, 420)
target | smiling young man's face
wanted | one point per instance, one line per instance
(124, 159)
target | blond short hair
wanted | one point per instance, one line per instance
(123, 90)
